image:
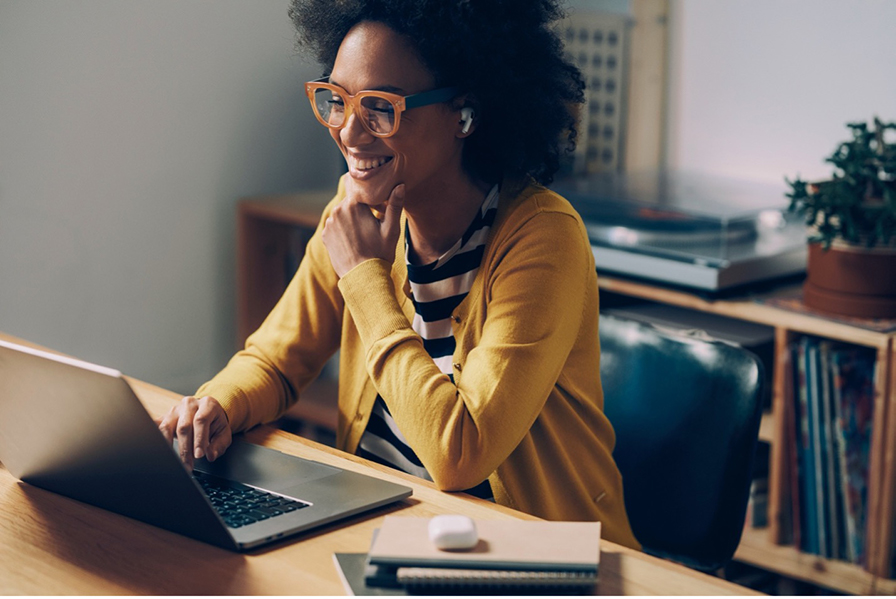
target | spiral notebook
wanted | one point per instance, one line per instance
(523, 557)
(353, 568)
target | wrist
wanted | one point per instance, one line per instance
(369, 294)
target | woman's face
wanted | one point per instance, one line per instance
(425, 150)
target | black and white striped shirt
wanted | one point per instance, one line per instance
(437, 289)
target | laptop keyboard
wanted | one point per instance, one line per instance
(239, 504)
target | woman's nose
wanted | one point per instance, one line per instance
(353, 133)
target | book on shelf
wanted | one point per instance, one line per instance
(806, 470)
(789, 519)
(832, 397)
(520, 557)
(833, 518)
(813, 379)
(840, 426)
(835, 451)
(854, 370)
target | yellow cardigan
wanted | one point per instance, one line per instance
(525, 409)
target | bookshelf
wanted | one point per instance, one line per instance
(763, 547)
(273, 230)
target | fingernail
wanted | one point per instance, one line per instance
(198, 453)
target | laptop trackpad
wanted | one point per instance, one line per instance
(262, 467)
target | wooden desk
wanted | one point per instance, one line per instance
(51, 545)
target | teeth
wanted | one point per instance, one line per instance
(365, 164)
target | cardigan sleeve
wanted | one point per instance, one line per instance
(536, 289)
(290, 348)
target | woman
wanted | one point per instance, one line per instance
(462, 294)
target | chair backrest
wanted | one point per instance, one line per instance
(686, 413)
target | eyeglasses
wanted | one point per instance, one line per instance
(379, 112)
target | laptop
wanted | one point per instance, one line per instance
(78, 429)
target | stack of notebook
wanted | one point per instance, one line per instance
(511, 557)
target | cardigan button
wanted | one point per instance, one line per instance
(455, 318)
(457, 365)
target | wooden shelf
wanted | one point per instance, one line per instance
(883, 586)
(747, 309)
(269, 230)
(756, 549)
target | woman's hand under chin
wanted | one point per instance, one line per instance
(352, 234)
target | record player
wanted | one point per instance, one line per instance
(688, 229)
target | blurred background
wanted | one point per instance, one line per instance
(130, 129)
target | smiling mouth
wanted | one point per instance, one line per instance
(368, 164)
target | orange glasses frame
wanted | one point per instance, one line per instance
(399, 103)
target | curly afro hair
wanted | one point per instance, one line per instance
(503, 52)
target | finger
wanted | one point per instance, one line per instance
(392, 219)
(185, 430)
(221, 440)
(167, 423)
(202, 429)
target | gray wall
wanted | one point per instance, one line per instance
(128, 130)
(761, 89)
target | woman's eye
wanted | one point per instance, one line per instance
(384, 107)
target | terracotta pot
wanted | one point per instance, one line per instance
(851, 280)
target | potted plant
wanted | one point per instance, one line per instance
(852, 218)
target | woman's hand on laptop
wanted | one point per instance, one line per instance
(201, 426)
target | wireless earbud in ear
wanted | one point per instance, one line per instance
(466, 117)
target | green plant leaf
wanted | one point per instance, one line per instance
(858, 202)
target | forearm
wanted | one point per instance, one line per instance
(461, 432)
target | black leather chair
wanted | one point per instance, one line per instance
(686, 412)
